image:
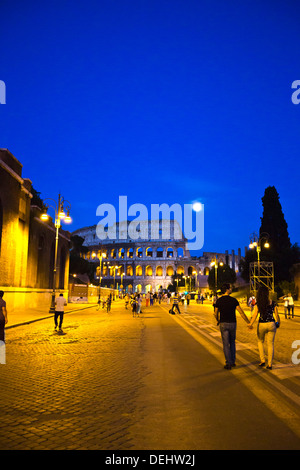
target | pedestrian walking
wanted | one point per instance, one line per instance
(251, 303)
(60, 303)
(126, 300)
(225, 313)
(290, 305)
(175, 304)
(139, 304)
(286, 307)
(134, 305)
(3, 316)
(268, 323)
(108, 303)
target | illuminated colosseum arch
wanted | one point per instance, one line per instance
(169, 271)
(159, 271)
(138, 271)
(129, 271)
(180, 252)
(159, 252)
(148, 271)
(139, 252)
(191, 269)
(170, 252)
(180, 270)
(130, 253)
(149, 252)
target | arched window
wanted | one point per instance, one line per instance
(169, 252)
(138, 271)
(191, 270)
(121, 253)
(206, 271)
(149, 271)
(149, 252)
(130, 253)
(180, 252)
(159, 252)
(159, 271)
(139, 252)
(180, 270)
(129, 271)
(170, 271)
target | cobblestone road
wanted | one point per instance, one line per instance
(75, 390)
(111, 381)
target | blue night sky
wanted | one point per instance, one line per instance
(162, 101)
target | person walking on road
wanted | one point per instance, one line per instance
(3, 316)
(175, 304)
(290, 306)
(225, 313)
(60, 303)
(268, 322)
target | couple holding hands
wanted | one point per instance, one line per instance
(268, 323)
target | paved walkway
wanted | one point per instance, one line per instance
(114, 382)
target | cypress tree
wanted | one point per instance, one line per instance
(281, 251)
(274, 223)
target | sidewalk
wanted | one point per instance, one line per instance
(34, 314)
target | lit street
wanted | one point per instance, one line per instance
(156, 381)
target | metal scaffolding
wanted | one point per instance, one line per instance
(261, 273)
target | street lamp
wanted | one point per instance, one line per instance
(103, 255)
(216, 265)
(59, 209)
(256, 242)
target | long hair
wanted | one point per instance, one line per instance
(263, 300)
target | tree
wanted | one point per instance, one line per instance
(79, 265)
(281, 251)
(225, 274)
(36, 199)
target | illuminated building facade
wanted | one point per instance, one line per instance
(147, 265)
(27, 243)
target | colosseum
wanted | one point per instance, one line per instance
(144, 265)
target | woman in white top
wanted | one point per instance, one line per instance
(290, 300)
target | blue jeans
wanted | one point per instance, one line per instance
(228, 333)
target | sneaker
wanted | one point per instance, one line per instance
(262, 364)
(269, 367)
(227, 366)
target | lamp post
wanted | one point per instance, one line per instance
(103, 255)
(256, 241)
(59, 209)
(216, 265)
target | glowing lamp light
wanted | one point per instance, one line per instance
(44, 216)
(267, 245)
(68, 219)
